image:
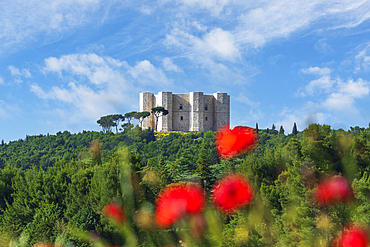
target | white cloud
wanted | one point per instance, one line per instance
(316, 71)
(279, 19)
(214, 6)
(1, 81)
(16, 72)
(7, 110)
(144, 72)
(146, 9)
(344, 98)
(309, 113)
(99, 85)
(323, 83)
(169, 66)
(23, 21)
(217, 43)
(363, 59)
(242, 98)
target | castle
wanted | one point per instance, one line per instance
(187, 112)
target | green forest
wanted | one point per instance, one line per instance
(53, 188)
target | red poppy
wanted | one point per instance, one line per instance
(177, 200)
(114, 210)
(352, 236)
(232, 193)
(235, 142)
(333, 190)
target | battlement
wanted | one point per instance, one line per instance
(187, 112)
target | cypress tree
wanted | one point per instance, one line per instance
(203, 167)
(281, 132)
(273, 127)
(257, 128)
(295, 131)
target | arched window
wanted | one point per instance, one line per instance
(181, 118)
(206, 118)
(206, 108)
(180, 107)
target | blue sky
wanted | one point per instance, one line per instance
(66, 63)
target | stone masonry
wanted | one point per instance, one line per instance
(187, 112)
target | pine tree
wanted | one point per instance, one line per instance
(273, 127)
(257, 128)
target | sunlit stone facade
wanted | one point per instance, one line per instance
(187, 112)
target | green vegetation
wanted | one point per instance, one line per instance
(52, 187)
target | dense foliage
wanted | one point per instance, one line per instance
(52, 185)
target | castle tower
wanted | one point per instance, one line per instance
(221, 110)
(196, 114)
(147, 102)
(187, 112)
(165, 122)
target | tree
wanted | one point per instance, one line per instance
(257, 128)
(273, 127)
(141, 116)
(203, 168)
(281, 132)
(295, 131)
(106, 123)
(117, 118)
(158, 111)
(129, 116)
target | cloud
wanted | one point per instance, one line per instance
(242, 98)
(7, 110)
(144, 72)
(271, 20)
(16, 72)
(1, 81)
(217, 43)
(344, 97)
(214, 6)
(316, 71)
(169, 66)
(309, 113)
(323, 83)
(97, 85)
(322, 46)
(363, 59)
(24, 21)
(146, 9)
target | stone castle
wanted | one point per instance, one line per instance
(187, 112)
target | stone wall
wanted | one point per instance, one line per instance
(187, 112)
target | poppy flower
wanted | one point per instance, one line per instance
(352, 236)
(333, 190)
(114, 210)
(232, 193)
(177, 200)
(231, 143)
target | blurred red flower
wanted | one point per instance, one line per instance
(235, 142)
(232, 193)
(333, 190)
(114, 210)
(177, 200)
(352, 236)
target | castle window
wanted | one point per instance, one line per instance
(181, 118)
(206, 108)
(181, 107)
(206, 118)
